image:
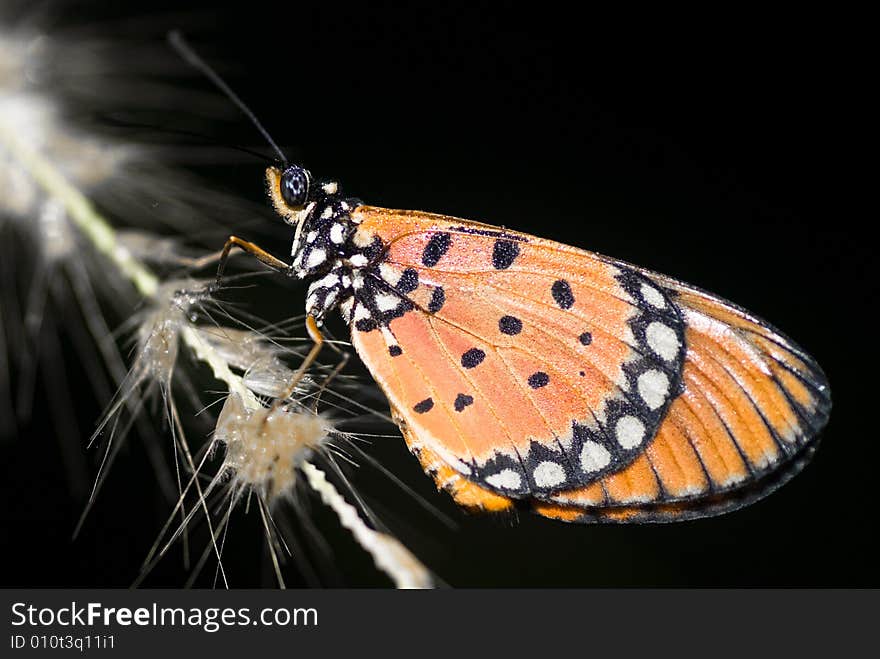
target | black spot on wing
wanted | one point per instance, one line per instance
(504, 253)
(462, 401)
(395, 351)
(510, 325)
(538, 380)
(371, 251)
(424, 406)
(472, 358)
(586, 338)
(438, 298)
(562, 294)
(437, 246)
(408, 282)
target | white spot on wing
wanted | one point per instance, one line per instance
(622, 380)
(506, 479)
(652, 296)
(790, 435)
(629, 432)
(310, 236)
(386, 301)
(358, 260)
(362, 238)
(689, 491)
(594, 456)
(389, 273)
(663, 340)
(461, 466)
(390, 339)
(548, 474)
(733, 479)
(653, 388)
(361, 312)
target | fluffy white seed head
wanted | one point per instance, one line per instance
(31, 120)
(266, 447)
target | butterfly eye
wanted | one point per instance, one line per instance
(295, 186)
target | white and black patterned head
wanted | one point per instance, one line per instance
(320, 215)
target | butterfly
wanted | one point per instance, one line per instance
(526, 373)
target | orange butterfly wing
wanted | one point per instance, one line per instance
(541, 368)
(523, 368)
(752, 402)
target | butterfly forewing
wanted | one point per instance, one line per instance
(529, 366)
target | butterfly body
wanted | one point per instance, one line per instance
(524, 370)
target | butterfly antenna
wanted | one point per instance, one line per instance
(175, 38)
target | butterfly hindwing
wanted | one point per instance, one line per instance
(745, 422)
(762, 433)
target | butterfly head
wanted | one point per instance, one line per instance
(320, 215)
(290, 190)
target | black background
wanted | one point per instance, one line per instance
(718, 149)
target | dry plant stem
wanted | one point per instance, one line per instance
(389, 555)
(206, 353)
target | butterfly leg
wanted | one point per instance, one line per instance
(276, 264)
(311, 324)
(318, 340)
(254, 250)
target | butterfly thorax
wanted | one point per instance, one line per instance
(342, 263)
